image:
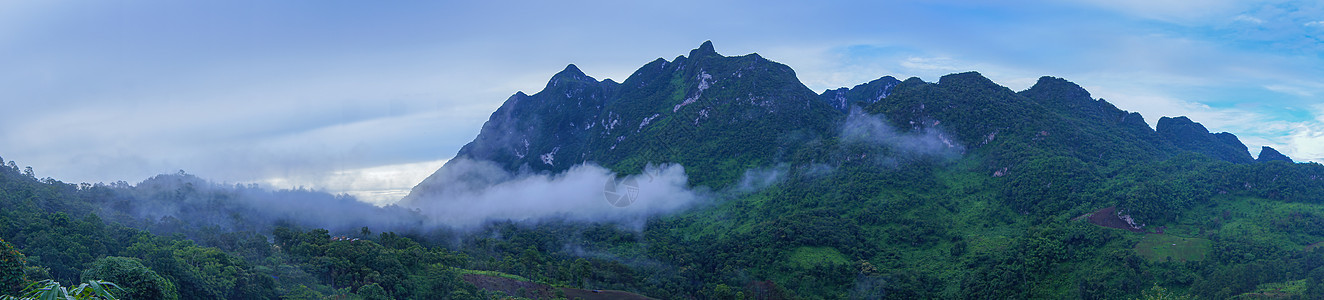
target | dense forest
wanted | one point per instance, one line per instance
(929, 229)
(892, 189)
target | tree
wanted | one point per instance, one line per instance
(12, 263)
(138, 281)
(304, 292)
(1159, 293)
(581, 270)
(373, 292)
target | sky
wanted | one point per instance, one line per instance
(368, 98)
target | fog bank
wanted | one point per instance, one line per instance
(467, 193)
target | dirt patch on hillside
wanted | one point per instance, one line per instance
(1107, 217)
(531, 290)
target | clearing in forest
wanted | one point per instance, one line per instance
(1160, 247)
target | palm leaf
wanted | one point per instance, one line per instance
(51, 290)
(96, 288)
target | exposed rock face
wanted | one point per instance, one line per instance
(861, 95)
(1268, 154)
(1192, 136)
(666, 111)
(545, 131)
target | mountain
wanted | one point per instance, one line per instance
(530, 131)
(1269, 154)
(1191, 136)
(860, 95)
(719, 116)
(679, 111)
(906, 189)
(1054, 116)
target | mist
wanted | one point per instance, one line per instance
(757, 179)
(468, 193)
(184, 203)
(890, 146)
(464, 195)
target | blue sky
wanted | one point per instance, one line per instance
(370, 98)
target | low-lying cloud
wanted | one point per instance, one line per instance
(757, 179)
(928, 141)
(468, 193)
(183, 203)
(381, 185)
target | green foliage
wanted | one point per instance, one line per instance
(372, 292)
(1159, 293)
(50, 289)
(1160, 247)
(491, 273)
(12, 264)
(1052, 185)
(1291, 289)
(137, 281)
(811, 257)
(405, 270)
(201, 273)
(303, 292)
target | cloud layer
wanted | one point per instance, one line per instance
(467, 193)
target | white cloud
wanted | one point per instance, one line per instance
(379, 185)
(1290, 89)
(1307, 140)
(1314, 24)
(930, 64)
(1155, 103)
(1308, 144)
(1302, 141)
(466, 193)
(1248, 19)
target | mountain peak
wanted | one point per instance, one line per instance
(1060, 87)
(970, 77)
(1181, 123)
(1191, 136)
(705, 49)
(570, 74)
(1269, 154)
(570, 71)
(864, 94)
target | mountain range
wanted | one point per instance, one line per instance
(724, 177)
(718, 116)
(960, 188)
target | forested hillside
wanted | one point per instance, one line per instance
(899, 189)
